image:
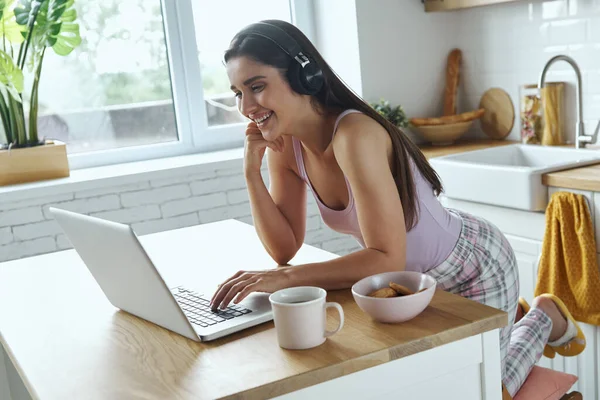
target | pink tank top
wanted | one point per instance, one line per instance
(428, 243)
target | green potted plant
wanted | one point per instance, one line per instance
(28, 28)
(395, 115)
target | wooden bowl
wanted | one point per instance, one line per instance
(443, 134)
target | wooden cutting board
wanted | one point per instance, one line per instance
(499, 116)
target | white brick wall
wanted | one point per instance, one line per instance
(150, 205)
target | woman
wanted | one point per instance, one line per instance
(369, 181)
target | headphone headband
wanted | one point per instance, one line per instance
(305, 77)
(279, 37)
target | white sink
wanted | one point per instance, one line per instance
(509, 176)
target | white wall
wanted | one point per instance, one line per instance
(403, 53)
(336, 30)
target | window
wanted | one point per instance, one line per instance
(216, 25)
(148, 79)
(114, 90)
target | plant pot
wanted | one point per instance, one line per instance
(29, 164)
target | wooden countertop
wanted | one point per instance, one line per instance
(462, 146)
(68, 342)
(583, 178)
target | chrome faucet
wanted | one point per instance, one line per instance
(580, 137)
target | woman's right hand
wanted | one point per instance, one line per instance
(255, 147)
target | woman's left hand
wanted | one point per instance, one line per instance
(245, 282)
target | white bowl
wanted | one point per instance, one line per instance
(394, 309)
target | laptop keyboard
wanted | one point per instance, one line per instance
(198, 310)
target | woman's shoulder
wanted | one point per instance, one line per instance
(357, 129)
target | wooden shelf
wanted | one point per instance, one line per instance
(447, 5)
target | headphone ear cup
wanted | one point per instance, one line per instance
(307, 80)
(312, 77)
(294, 75)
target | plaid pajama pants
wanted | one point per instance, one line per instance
(482, 267)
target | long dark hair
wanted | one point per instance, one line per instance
(334, 97)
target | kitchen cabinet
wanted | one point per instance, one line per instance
(447, 5)
(527, 253)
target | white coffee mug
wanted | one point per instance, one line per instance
(299, 314)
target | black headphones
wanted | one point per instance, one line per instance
(305, 76)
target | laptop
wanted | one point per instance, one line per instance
(131, 282)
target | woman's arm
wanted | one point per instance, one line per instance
(363, 150)
(279, 214)
(342, 272)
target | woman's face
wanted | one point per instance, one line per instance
(263, 95)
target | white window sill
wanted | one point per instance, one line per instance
(118, 174)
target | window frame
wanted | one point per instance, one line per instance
(195, 136)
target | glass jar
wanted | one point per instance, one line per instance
(531, 112)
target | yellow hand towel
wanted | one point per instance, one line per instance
(568, 267)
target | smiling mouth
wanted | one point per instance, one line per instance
(261, 120)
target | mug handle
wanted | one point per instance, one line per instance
(341, 312)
